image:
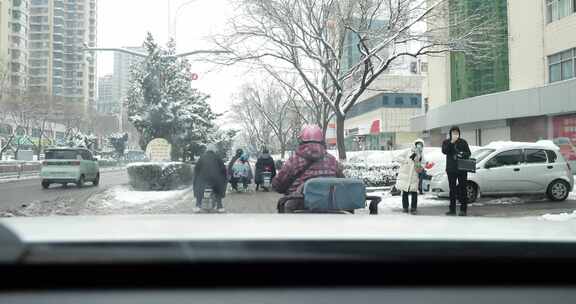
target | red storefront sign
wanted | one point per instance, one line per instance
(565, 135)
(375, 128)
(331, 134)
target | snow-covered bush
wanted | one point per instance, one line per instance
(159, 176)
(373, 176)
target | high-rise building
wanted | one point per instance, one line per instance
(105, 102)
(123, 64)
(58, 66)
(13, 43)
(4, 32)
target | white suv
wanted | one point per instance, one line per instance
(510, 168)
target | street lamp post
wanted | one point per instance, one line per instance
(86, 48)
(177, 14)
(142, 55)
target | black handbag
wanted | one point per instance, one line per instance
(467, 165)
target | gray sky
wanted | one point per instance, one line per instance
(125, 23)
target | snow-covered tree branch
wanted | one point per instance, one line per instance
(350, 43)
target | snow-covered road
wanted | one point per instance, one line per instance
(26, 198)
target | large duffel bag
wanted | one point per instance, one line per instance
(334, 194)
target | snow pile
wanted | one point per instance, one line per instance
(559, 217)
(163, 165)
(501, 201)
(123, 197)
(393, 204)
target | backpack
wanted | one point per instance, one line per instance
(328, 193)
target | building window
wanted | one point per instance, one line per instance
(386, 100)
(20, 131)
(36, 132)
(16, 27)
(562, 66)
(414, 101)
(558, 9)
(399, 101)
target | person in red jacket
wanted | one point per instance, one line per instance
(309, 161)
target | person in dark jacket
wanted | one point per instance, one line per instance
(235, 158)
(210, 171)
(265, 163)
(456, 148)
(309, 161)
(241, 173)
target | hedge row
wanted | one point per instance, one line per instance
(159, 176)
(372, 176)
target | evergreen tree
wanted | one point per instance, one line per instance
(163, 104)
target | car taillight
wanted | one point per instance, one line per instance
(75, 163)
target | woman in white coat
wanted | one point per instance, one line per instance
(408, 175)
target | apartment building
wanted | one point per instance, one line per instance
(58, 66)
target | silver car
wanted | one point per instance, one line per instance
(513, 168)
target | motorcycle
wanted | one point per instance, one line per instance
(267, 180)
(208, 205)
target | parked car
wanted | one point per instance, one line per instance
(512, 168)
(69, 165)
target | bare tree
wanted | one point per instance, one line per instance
(322, 37)
(255, 130)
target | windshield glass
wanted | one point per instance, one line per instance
(481, 154)
(271, 107)
(61, 154)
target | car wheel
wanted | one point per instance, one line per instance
(80, 182)
(471, 192)
(96, 182)
(558, 191)
(45, 185)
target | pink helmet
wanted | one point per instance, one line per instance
(311, 133)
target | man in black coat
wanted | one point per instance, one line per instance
(210, 171)
(456, 148)
(265, 163)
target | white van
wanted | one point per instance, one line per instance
(511, 168)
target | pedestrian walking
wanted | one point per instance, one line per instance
(264, 164)
(408, 176)
(210, 171)
(455, 148)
